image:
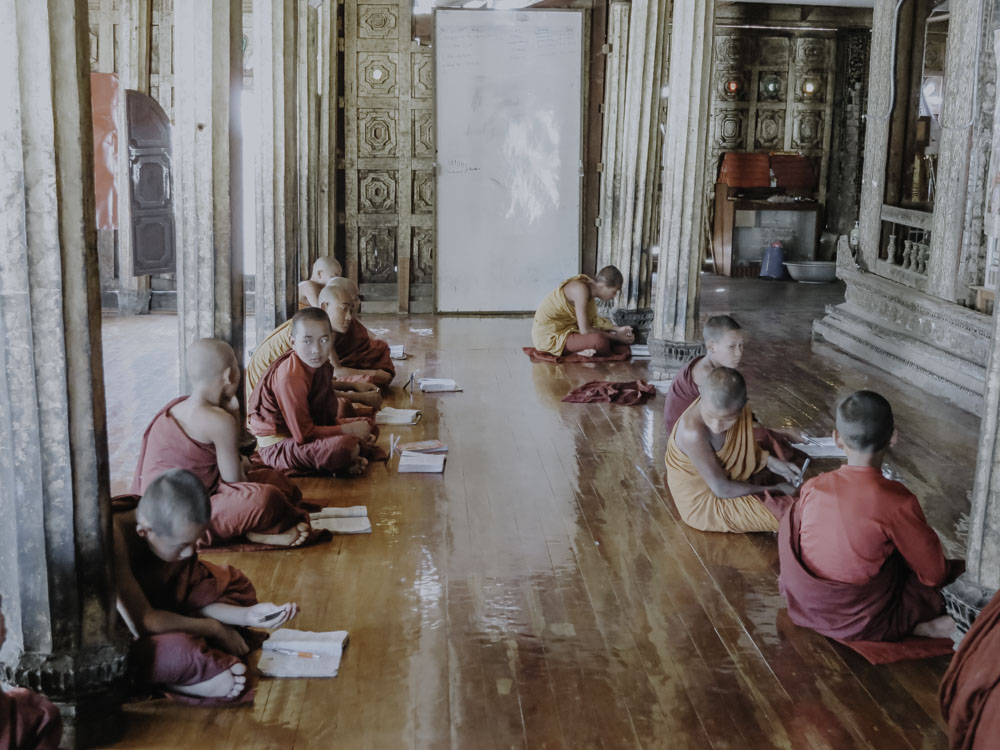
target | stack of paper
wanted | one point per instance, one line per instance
(302, 653)
(438, 385)
(820, 447)
(353, 520)
(411, 462)
(397, 351)
(423, 446)
(389, 415)
(640, 351)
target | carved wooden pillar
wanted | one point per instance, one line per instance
(55, 527)
(326, 205)
(208, 205)
(308, 132)
(276, 182)
(674, 337)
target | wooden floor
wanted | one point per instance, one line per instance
(543, 591)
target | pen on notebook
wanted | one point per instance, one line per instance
(291, 652)
(802, 473)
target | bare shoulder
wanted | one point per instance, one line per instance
(576, 290)
(219, 423)
(690, 430)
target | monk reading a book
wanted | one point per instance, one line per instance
(189, 617)
(715, 468)
(361, 358)
(324, 269)
(858, 560)
(293, 410)
(567, 321)
(201, 433)
(28, 721)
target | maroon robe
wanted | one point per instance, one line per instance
(970, 691)
(265, 504)
(886, 608)
(28, 721)
(683, 392)
(357, 349)
(184, 587)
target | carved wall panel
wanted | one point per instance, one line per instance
(730, 129)
(388, 157)
(774, 52)
(770, 130)
(807, 130)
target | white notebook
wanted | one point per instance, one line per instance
(640, 351)
(302, 653)
(438, 385)
(411, 462)
(820, 447)
(397, 351)
(354, 511)
(349, 525)
(389, 415)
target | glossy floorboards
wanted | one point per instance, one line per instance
(543, 592)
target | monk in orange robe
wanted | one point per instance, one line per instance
(28, 721)
(360, 357)
(858, 559)
(200, 433)
(719, 477)
(324, 269)
(293, 409)
(190, 618)
(970, 690)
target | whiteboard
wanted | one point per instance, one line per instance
(508, 113)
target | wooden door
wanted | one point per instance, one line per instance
(150, 186)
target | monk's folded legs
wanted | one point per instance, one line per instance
(325, 456)
(242, 508)
(185, 664)
(28, 720)
(579, 342)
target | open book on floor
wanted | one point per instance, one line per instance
(438, 385)
(397, 351)
(389, 415)
(819, 447)
(342, 525)
(302, 653)
(640, 351)
(422, 446)
(421, 463)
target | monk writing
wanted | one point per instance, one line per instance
(324, 269)
(360, 358)
(28, 721)
(200, 433)
(355, 390)
(189, 617)
(715, 467)
(293, 409)
(567, 321)
(858, 560)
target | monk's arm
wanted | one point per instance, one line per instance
(696, 446)
(578, 293)
(225, 431)
(292, 396)
(919, 544)
(309, 291)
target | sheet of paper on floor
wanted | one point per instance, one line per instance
(351, 525)
(354, 511)
(389, 415)
(820, 447)
(302, 653)
(438, 385)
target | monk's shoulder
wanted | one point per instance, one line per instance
(690, 429)
(701, 368)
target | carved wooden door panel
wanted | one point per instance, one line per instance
(150, 186)
(389, 158)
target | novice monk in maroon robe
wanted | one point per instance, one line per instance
(200, 433)
(970, 690)
(28, 721)
(361, 358)
(293, 409)
(858, 560)
(188, 616)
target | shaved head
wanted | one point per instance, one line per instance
(865, 422)
(336, 292)
(342, 282)
(718, 326)
(725, 390)
(311, 314)
(208, 359)
(327, 265)
(174, 500)
(611, 277)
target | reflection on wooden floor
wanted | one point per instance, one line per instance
(543, 592)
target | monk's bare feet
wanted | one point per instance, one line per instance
(371, 398)
(293, 537)
(939, 627)
(357, 466)
(587, 352)
(229, 683)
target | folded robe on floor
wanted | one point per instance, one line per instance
(626, 393)
(970, 690)
(28, 721)
(266, 504)
(620, 354)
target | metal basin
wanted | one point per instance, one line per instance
(813, 271)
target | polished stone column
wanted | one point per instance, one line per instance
(56, 578)
(276, 180)
(675, 338)
(207, 143)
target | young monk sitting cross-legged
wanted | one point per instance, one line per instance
(567, 321)
(324, 269)
(293, 409)
(187, 615)
(201, 433)
(713, 462)
(360, 358)
(858, 560)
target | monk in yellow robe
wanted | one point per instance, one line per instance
(715, 468)
(567, 321)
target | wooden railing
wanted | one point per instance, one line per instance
(907, 246)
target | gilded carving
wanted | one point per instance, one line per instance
(377, 191)
(730, 128)
(772, 86)
(774, 52)
(770, 129)
(376, 74)
(807, 130)
(735, 50)
(811, 52)
(377, 254)
(376, 132)
(731, 85)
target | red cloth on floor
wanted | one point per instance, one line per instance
(970, 690)
(28, 721)
(913, 647)
(683, 392)
(357, 349)
(626, 393)
(618, 355)
(885, 608)
(267, 503)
